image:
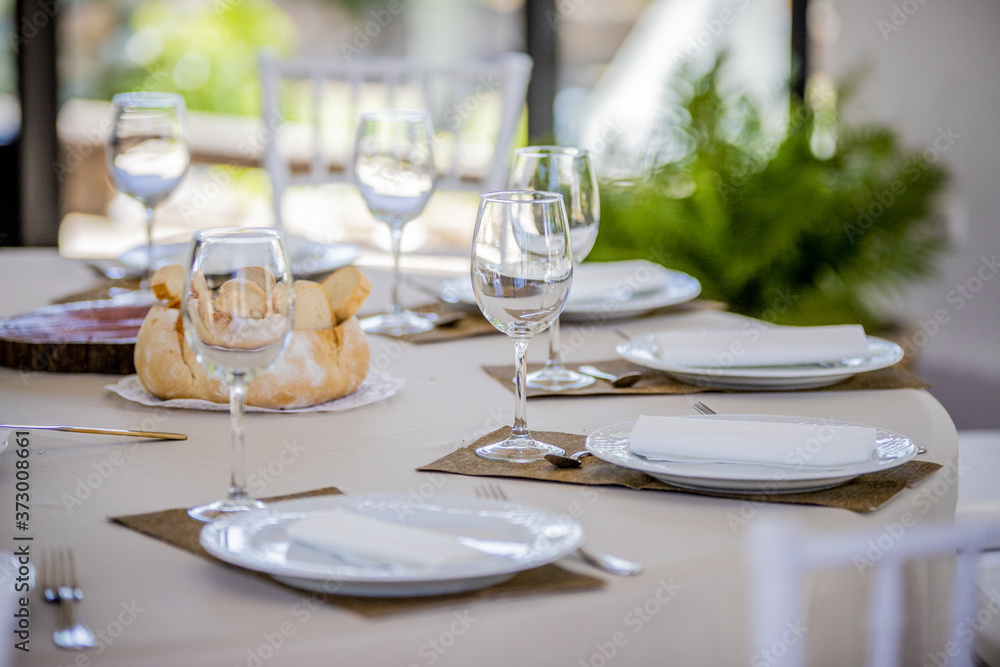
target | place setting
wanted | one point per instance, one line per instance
(522, 272)
(767, 358)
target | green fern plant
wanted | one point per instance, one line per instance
(775, 231)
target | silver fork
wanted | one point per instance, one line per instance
(60, 586)
(599, 559)
(703, 409)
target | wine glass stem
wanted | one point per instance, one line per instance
(520, 428)
(237, 405)
(396, 228)
(147, 274)
(555, 356)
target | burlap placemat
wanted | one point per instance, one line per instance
(658, 382)
(862, 494)
(176, 528)
(456, 323)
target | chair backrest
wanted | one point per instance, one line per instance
(782, 556)
(311, 106)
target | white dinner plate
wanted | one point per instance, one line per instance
(635, 292)
(612, 444)
(516, 537)
(309, 258)
(881, 354)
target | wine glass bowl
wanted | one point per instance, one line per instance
(237, 310)
(147, 152)
(522, 268)
(568, 171)
(395, 174)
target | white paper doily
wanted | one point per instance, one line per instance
(377, 386)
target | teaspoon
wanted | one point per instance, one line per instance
(624, 380)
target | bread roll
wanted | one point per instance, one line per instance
(326, 358)
(347, 289)
(167, 283)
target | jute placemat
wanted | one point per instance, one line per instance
(177, 529)
(862, 494)
(658, 382)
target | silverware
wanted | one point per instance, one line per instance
(705, 410)
(599, 559)
(571, 461)
(623, 380)
(100, 431)
(60, 586)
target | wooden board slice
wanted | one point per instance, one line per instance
(83, 337)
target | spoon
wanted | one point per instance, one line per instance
(624, 380)
(571, 461)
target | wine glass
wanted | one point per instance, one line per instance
(394, 170)
(568, 171)
(147, 152)
(522, 267)
(237, 307)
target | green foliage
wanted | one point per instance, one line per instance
(770, 228)
(207, 51)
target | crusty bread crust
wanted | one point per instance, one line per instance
(316, 366)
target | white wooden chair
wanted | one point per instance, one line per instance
(311, 106)
(782, 557)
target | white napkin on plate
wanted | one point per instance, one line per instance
(364, 538)
(616, 281)
(761, 344)
(737, 440)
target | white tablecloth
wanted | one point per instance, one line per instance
(156, 605)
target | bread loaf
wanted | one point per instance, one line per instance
(327, 354)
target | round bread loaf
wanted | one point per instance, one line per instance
(320, 363)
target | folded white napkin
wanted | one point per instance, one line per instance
(760, 344)
(717, 439)
(616, 281)
(366, 539)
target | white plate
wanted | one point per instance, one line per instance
(612, 444)
(881, 354)
(625, 296)
(309, 258)
(517, 537)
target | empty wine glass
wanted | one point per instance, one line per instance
(147, 152)
(568, 171)
(522, 267)
(237, 308)
(394, 170)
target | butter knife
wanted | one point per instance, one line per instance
(101, 431)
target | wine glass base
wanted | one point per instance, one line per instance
(212, 511)
(398, 323)
(557, 378)
(520, 450)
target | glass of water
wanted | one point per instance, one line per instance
(147, 152)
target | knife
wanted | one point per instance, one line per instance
(101, 431)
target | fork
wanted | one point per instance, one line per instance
(599, 559)
(703, 409)
(60, 586)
